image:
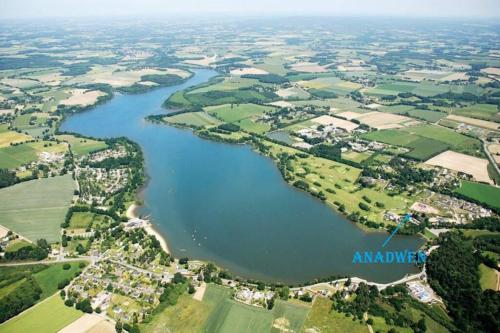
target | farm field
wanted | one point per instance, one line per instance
(217, 312)
(475, 122)
(476, 167)
(426, 141)
(187, 316)
(393, 88)
(197, 119)
(487, 194)
(48, 316)
(480, 111)
(333, 84)
(82, 146)
(431, 116)
(35, 209)
(228, 113)
(16, 156)
(8, 137)
(275, 65)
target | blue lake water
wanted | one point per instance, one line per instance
(229, 205)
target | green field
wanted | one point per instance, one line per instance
(197, 119)
(275, 65)
(36, 209)
(321, 319)
(187, 316)
(82, 220)
(484, 193)
(479, 111)
(488, 277)
(426, 141)
(219, 313)
(228, 113)
(49, 316)
(16, 245)
(49, 278)
(82, 146)
(15, 156)
(431, 116)
(393, 88)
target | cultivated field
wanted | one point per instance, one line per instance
(487, 194)
(381, 120)
(476, 122)
(228, 113)
(308, 67)
(35, 209)
(87, 323)
(15, 156)
(8, 137)
(479, 111)
(248, 70)
(49, 316)
(476, 167)
(340, 123)
(81, 146)
(82, 97)
(197, 119)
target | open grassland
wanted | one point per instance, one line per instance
(35, 209)
(197, 119)
(488, 277)
(487, 194)
(8, 137)
(16, 156)
(49, 316)
(480, 111)
(321, 319)
(231, 113)
(82, 146)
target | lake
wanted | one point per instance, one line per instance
(229, 205)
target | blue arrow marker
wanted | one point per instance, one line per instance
(400, 224)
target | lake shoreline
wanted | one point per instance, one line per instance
(148, 228)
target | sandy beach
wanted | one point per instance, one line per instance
(131, 213)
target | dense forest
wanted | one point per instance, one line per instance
(453, 271)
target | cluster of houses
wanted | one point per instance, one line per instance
(253, 297)
(96, 184)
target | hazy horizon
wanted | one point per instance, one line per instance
(24, 9)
